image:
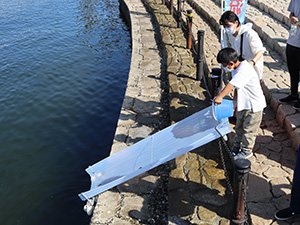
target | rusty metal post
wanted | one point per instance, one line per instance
(241, 176)
(189, 26)
(200, 55)
(179, 17)
(171, 7)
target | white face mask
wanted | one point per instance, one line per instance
(228, 70)
(230, 30)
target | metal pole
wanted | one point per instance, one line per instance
(239, 212)
(215, 81)
(221, 27)
(171, 7)
(200, 55)
(179, 14)
(189, 30)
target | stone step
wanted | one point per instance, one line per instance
(278, 9)
(274, 32)
(271, 23)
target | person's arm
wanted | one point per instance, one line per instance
(235, 98)
(228, 88)
(256, 58)
(255, 45)
(291, 15)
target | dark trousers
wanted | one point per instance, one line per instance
(295, 196)
(293, 63)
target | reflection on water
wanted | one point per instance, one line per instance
(63, 67)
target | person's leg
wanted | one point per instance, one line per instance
(239, 131)
(292, 55)
(293, 63)
(295, 196)
(294, 209)
(251, 125)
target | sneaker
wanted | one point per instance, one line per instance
(235, 151)
(284, 214)
(289, 98)
(242, 155)
(297, 105)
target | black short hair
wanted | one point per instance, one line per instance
(226, 55)
(229, 16)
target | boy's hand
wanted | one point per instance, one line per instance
(227, 89)
(218, 100)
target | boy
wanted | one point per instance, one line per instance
(248, 97)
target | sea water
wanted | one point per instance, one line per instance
(63, 72)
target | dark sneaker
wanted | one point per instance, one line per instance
(284, 214)
(235, 151)
(297, 105)
(289, 98)
(242, 155)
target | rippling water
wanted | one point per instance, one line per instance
(63, 73)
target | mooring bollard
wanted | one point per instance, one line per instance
(215, 81)
(179, 17)
(241, 176)
(189, 26)
(200, 55)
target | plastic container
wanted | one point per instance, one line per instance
(223, 110)
(293, 30)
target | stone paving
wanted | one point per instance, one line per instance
(274, 157)
(271, 25)
(194, 182)
(271, 172)
(142, 114)
(197, 193)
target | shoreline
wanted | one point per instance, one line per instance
(192, 188)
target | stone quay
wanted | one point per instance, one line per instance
(162, 89)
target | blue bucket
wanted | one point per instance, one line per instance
(223, 110)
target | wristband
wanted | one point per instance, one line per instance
(253, 62)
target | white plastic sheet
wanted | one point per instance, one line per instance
(186, 135)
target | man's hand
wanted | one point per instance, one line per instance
(294, 20)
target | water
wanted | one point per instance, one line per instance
(63, 73)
